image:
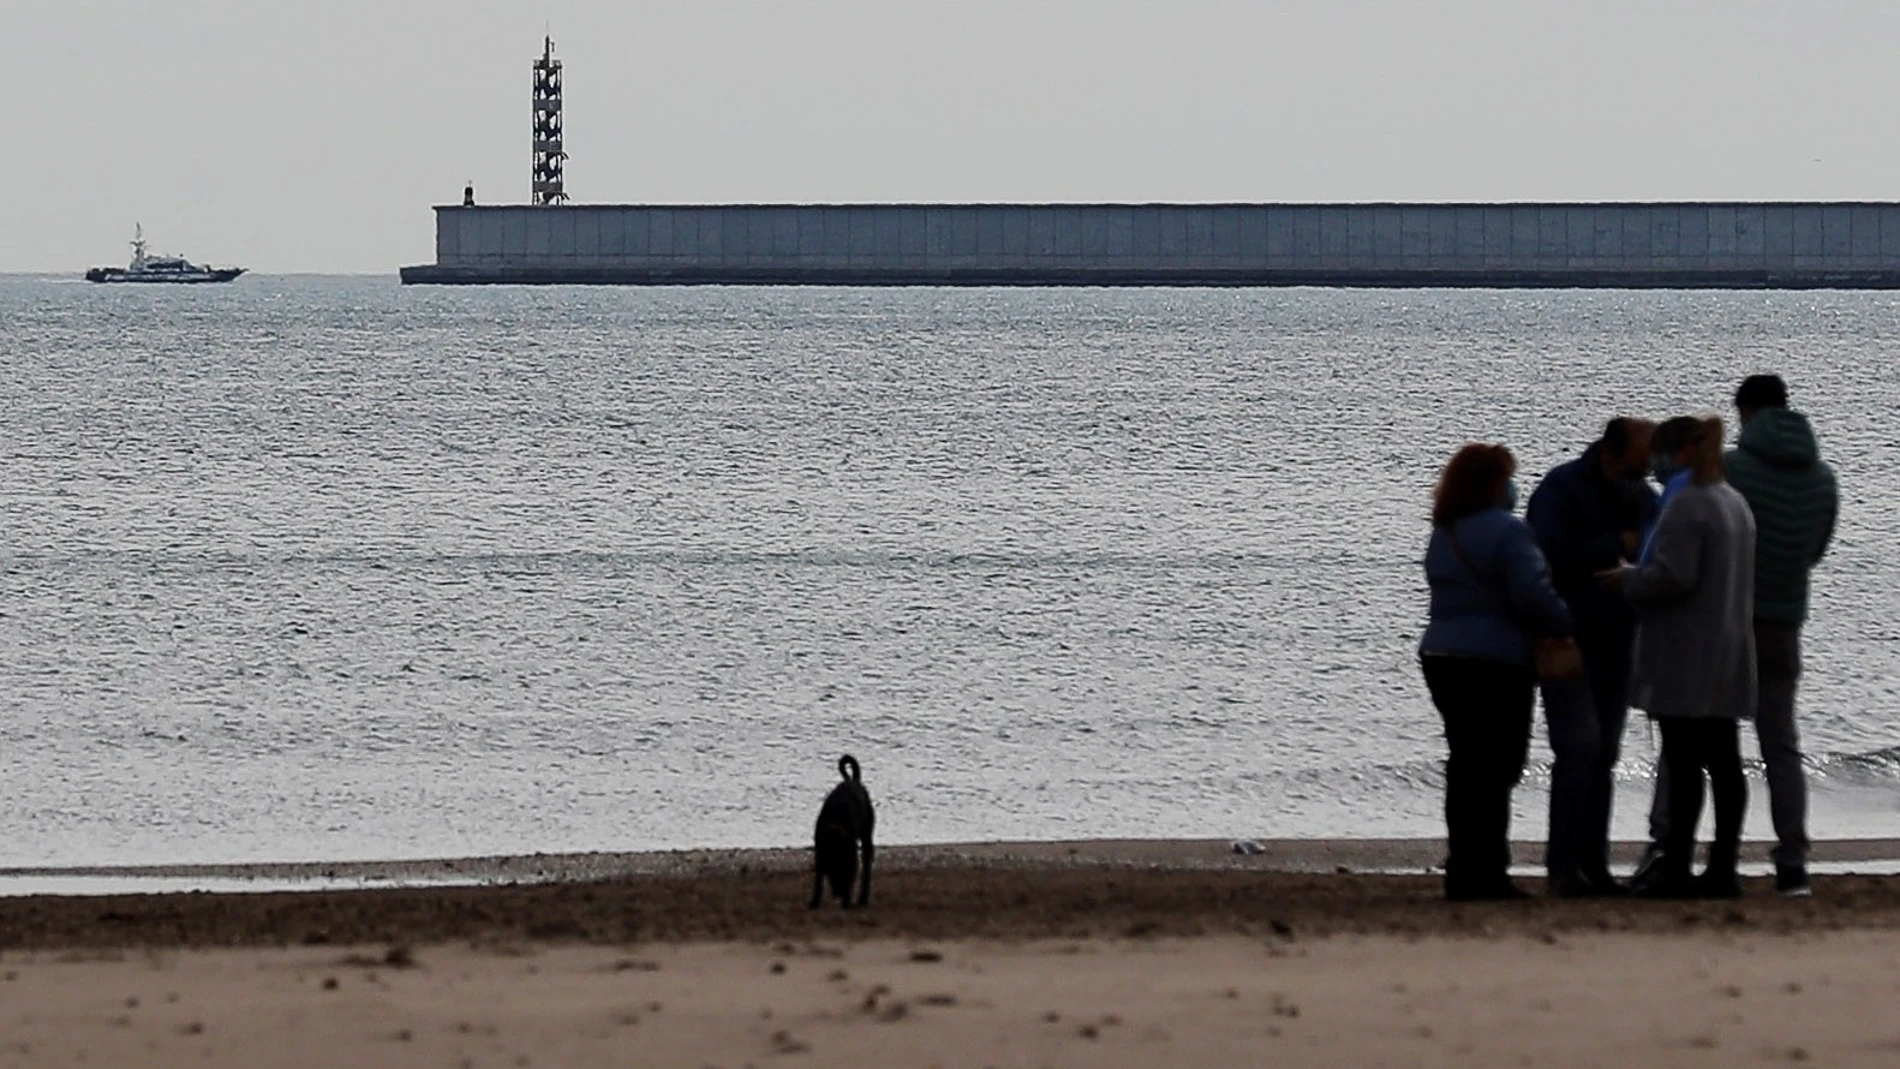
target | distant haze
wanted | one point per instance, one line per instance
(305, 136)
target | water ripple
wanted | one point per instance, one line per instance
(327, 567)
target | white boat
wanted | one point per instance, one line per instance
(148, 268)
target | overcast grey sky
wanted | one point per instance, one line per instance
(313, 135)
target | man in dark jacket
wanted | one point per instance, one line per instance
(1589, 515)
(1777, 466)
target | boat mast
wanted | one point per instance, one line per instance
(547, 185)
(138, 245)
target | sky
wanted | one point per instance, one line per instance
(314, 135)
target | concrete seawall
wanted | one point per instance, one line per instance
(1680, 245)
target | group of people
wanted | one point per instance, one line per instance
(1686, 603)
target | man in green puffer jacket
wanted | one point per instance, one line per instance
(1777, 466)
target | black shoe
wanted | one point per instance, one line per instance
(1718, 883)
(1667, 888)
(1662, 879)
(1574, 884)
(1791, 881)
(1568, 885)
(1652, 855)
(1606, 885)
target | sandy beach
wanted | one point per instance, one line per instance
(1110, 955)
(1663, 999)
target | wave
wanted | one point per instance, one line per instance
(1878, 767)
(1873, 765)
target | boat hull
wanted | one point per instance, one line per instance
(178, 278)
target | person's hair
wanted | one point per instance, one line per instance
(1706, 438)
(1471, 482)
(1674, 433)
(1616, 436)
(1762, 391)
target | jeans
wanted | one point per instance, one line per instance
(1486, 707)
(1692, 746)
(1585, 719)
(1778, 671)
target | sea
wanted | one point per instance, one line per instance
(306, 568)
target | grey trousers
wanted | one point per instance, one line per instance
(1778, 672)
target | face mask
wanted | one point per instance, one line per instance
(1510, 495)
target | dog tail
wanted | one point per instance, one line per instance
(848, 768)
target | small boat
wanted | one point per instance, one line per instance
(148, 268)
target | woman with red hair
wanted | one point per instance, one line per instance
(1492, 604)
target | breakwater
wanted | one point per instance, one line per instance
(1642, 245)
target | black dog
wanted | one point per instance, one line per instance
(844, 823)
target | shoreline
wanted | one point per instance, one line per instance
(1122, 893)
(1329, 855)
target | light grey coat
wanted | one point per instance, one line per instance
(1695, 607)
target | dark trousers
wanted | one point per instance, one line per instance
(1778, 672)
(1585, 719)
(1691, 747)
(1486, 707)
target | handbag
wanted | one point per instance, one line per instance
(1553, 660)
(1556, 659)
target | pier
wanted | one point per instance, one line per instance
(1636, 245)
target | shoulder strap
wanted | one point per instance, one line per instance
(1499, 592)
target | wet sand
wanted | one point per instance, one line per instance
(946, 901)
(1111, 958)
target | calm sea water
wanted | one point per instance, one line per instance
(300, 568)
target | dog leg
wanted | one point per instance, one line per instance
(864, 893)
(817, 887)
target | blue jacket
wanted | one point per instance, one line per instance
(1494, 614)
(1670, 490)
(1579, 516)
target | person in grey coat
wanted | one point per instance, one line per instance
(1777, 468)
(1694, 665)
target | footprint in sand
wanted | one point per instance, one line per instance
(785, 1043)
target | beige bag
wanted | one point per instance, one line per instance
(1557, 659)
